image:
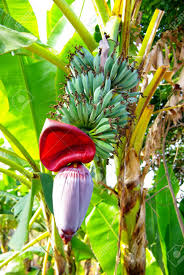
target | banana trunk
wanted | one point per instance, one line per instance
(132, 217)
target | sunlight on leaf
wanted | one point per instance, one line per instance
(4, 104)
(12, 40)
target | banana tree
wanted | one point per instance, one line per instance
(74, 100)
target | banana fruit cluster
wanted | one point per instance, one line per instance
(96, 99)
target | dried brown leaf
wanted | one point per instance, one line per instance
(181, 58)
(181, 79)
(153, 141)
(166, 59)
(132, 167)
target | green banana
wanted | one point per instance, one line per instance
(98, 81)
(108, 65)
(96, 63)
(93, 114)
(106, 135)
(85, 83)
(99, 117)
(122, 122)
(116, 99)
(78, 61)
(102, 129)
(103, 121)
(107, 86)
(131, 81)
(107, 99)
(97, 95)
(83, 61)
(80, 113)
(114, 69)
(67, 115)
(85, 113)
(78, 85)
(72, 80)
(118, 106)
(120, 74)
(90, 80)
(99, 108)
(71, 87)
(105, 146)
(125, 77)
(73, 70)
(118, 112)
(75, 64)
(100, 152)
(88, 56)
(73, 109)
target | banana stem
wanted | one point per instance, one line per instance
(125, 34)
(59, 255)
(34, 217)
(48, 55)
(17, 167)
(77, 24)
(15, 176)
(28, 245)
(103, 10)
(44, 268)
(10, 153)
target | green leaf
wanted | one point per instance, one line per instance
(102, 229)
(153, 237)
(47, 186)
(56, 238)
(22, 12)
(4, 104)
(63, 31)
(40, 78)
(81, 250)
(19, 206)
(5, 256)
(53, 16)
(7, 222)
(21, 234)
(1, 140)
(9, 154)
(30, 90)
(29, 253)
(100, 194)
(13, 40)
(15, 267)
(182, 207)
(152, 266)
(169, 228)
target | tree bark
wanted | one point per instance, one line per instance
(132, 216)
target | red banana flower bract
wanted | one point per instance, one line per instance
(61, 144)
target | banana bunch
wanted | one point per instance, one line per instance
(96, 99)
(122, 75)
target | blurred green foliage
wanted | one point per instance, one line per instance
(173, 16)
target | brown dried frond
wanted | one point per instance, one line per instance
(168, 51)
(156, 131)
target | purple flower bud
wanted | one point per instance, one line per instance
(72, 191)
